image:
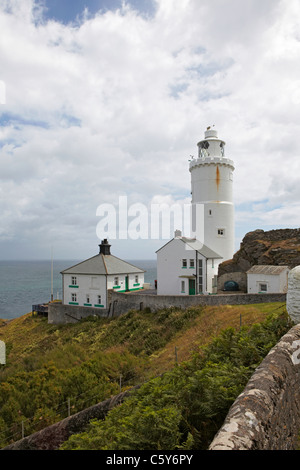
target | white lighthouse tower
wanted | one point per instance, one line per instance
(212, 181)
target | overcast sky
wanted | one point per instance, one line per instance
(103, 98)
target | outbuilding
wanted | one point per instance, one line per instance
(87, 283)
(267, 279)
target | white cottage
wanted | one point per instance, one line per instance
(87, 283)
(186, 267)
(267, 279)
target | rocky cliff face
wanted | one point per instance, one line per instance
(275, 247)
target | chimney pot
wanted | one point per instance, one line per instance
(104, 247)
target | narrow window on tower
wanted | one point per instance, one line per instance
(221, 232)
(200, 277)
(210, 212)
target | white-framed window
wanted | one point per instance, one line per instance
(87, 298)
(74, 297)
(184, 263)
(74, 281)
(116, 281)
(221, 232)
(136, 279)
(183, 287)
(192, 263)
(263, 287)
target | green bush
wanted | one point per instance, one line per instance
(186, 406)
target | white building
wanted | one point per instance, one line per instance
(212, 233)
(187, 267)
(212, 189)
(267, 279)
(87, 283)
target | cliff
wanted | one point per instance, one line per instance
(275, 247)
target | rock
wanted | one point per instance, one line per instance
(274, 247)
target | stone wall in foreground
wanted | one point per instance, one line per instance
(266, 416)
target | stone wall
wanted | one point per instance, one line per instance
(60, 314)
(239, 277)
(53, 436)
(124, 302)
(266, 416)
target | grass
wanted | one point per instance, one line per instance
(153, 336)
(205, 327)
(47, 363)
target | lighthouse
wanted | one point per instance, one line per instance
(212, 188)
(189, 265)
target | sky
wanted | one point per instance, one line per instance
(107, 99)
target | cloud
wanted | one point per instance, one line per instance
(116, 103)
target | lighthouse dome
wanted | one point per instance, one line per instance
(210, 133)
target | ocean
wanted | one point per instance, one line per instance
(25, 283)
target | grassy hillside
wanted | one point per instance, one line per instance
(54, 370)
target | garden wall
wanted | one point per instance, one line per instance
(266, 416)
(120, 303)
(124, 302)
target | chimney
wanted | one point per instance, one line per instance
(104, 247)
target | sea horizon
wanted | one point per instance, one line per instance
(24, 283)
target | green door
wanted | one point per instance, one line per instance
(192, 288)
(126, 283)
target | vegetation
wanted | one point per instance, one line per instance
(186, 406)
(55, 370)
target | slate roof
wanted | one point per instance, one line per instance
(196, 245)
(103, 264)
(266, 269)
(201, 248)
